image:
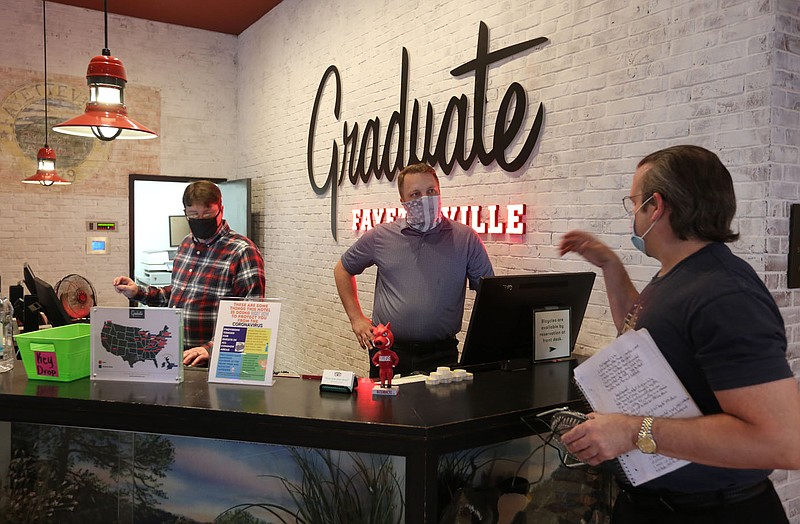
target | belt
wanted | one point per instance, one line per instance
(675, 502)
(425, 347)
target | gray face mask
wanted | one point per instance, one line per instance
(425, 213)
(636, 240)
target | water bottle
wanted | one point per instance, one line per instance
(7, 357)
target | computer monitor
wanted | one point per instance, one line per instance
(30, 279)
(46, 297)
(178, 229)
(501, 327)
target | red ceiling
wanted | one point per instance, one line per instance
(222, 16)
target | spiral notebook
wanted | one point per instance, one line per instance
(632, 376)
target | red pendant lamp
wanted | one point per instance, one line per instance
(46, 159)
(106, 116)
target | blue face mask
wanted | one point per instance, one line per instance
(636, 240)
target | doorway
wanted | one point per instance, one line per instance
(155, 212)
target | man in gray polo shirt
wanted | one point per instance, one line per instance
(424, 262)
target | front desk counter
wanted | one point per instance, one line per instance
(421, 424)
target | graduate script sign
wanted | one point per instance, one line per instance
(359, 153)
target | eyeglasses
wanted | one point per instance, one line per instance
(629, 205)
(204, 216)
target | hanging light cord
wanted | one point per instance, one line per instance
(44, 32)
(106, 51)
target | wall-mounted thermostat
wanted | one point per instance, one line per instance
(101, 226)
(97, 245)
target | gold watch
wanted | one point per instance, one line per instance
(646, 443)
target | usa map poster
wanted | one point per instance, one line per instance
(137, 344)
(245, 340)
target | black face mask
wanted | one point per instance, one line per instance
(203, 228)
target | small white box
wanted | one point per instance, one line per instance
(157, 278)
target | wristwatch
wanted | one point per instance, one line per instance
(646, 443)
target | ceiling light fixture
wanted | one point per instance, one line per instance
(46, 159)
(106, 116)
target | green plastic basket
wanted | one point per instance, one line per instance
(61, 353)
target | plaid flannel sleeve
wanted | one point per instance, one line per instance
(250, 280)
(154, 296)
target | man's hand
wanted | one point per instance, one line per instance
(195, 356)
(126, 286)
(588, 247)
(362, 327)
(602, 437)
(622, 295)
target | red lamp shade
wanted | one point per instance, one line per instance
(106, 116)
(46, 172)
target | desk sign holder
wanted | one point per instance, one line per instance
(551, 333)
(245, 341)
(338, 381)
(137, 344)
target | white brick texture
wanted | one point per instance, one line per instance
(617, 80)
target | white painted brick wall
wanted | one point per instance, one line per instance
(784, 189)
(617, 79)
(193, 72)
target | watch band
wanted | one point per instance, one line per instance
(646, 443)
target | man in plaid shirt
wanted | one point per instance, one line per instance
(211, 263)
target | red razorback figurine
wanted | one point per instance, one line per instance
(384, 358)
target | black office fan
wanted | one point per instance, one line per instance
(77, 295)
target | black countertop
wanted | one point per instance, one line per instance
(294, 411)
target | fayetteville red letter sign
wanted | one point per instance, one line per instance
(492, 222)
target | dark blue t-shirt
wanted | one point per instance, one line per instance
(719, 328)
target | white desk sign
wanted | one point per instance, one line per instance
(551, 332)
(338, 381)
(245, 340)
(137, 344)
